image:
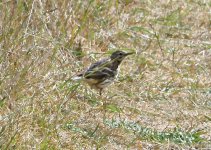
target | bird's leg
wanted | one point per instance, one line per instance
(100, 92)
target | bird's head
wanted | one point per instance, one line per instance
(119, 55)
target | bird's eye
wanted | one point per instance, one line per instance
(120, 54)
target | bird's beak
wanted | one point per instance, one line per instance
(129, 53)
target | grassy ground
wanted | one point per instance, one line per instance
(161, 99)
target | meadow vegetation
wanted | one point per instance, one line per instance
(160, 100)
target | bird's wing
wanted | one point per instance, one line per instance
(100, 70)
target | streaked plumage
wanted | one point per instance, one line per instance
(102, 73)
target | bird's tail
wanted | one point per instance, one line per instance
(78, 77)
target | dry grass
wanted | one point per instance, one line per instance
(161, 99)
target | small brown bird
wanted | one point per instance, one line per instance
(102, 73)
